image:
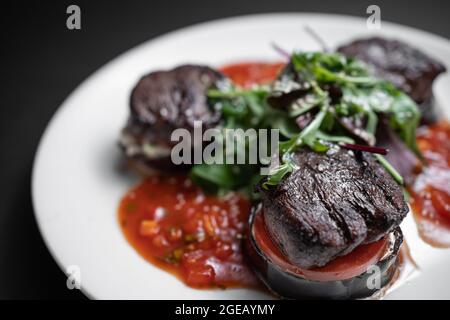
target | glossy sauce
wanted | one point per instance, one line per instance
(430, 193)
(197, 237)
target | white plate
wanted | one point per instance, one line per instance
(77, 186)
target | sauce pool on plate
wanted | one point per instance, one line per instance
(197, 237)
(430, 193)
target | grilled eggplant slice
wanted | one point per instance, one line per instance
(346, 282)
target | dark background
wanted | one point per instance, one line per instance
(42, 62)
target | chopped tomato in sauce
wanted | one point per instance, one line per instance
(176, 226)
(430, 193)
(249, 73)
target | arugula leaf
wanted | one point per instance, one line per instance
(217, 178)
(384, 98)
(308, 135)
(288, 128)
(305, 104)
(277, 174)
(389, 168)
(332, 138)
(405, 117)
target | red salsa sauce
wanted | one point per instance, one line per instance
(430, 193)
(247, 74)
(173, 224)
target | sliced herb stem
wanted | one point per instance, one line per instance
(394, 173)
(332, 138)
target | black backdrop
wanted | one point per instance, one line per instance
(42, 62)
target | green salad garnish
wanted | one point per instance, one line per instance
(318, 98)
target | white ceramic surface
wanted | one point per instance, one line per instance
(76, 183)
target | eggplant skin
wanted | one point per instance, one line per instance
(286, 285)
(330, 204)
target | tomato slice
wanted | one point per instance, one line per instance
(345, 267)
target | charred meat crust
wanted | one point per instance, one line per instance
(331, 204)
(406, 67)
(166, 100)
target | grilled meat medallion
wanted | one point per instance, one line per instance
(332, 203)
(406, 67)
(163, 101)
